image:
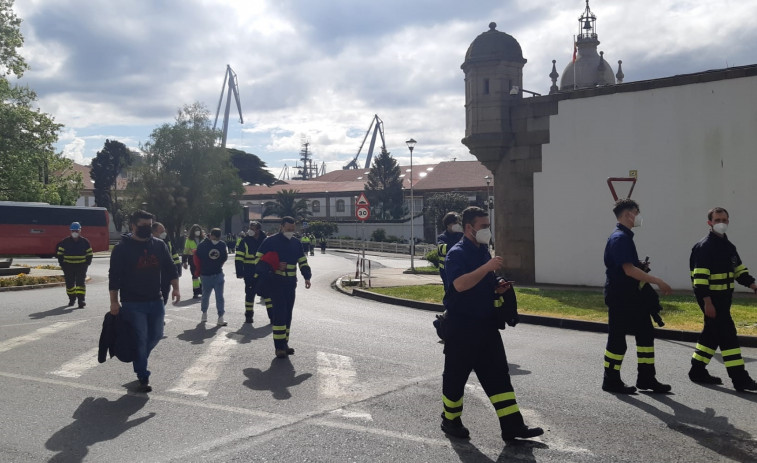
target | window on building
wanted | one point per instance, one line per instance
(340, 205)
(316, 206)
(486, 86)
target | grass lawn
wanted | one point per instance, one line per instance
(679, 312)
(427, 270)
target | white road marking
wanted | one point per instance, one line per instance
(197, 379)
(356, 414)
(336, 375)
(36, 335)
(78, 365)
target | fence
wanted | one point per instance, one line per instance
(397, 248)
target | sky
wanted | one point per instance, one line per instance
(320, 70)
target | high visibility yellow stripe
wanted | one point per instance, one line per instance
(733, 363)
(644, 349)
(302, 259)
(701, 281)
(441, 264)
(502, 397)
(701, 270)
(279, 336)
(721, 276)
(279, 328)
(726, 353)
(704, 348)
(450, 403)
(646, 360)
(508, 410)
(613, 356)
(451, 416)
(704, 360)
(721, 287)
(291, 266)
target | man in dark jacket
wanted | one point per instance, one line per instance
(137, 266)
(159, 231)
(212, 254)
(74, 256)
(245, 261)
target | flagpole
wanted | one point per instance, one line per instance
(574, 62)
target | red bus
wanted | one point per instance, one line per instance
(37, 228)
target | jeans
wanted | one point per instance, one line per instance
(212, 283)
(147, 320)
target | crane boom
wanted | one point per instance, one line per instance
(233, 88)
(378, 128)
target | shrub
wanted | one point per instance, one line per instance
(378, 235)
(433, 257)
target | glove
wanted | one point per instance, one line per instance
(514, 321)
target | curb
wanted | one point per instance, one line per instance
(40, 286)
(566, 323)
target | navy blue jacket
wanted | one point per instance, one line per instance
(212, 256)
(117, 338)
(474, 306)
(289, 251)
(444, 243)
(620, 249)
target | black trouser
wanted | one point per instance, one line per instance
(478, 349)
(249, 294)
(75, 275)
(282, 296)
(719, 332)
(196, 285)
(629, 318)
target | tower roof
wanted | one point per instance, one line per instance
(494, 45)
(589, 68)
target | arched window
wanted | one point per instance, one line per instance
(340, 205)
(315, 206)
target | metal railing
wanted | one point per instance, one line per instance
(397, 248)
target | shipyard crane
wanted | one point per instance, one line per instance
(378, 128)
(233, 87)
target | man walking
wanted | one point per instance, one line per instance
(628, 314)
(453, 232)
(194, 238)
(74, 256)
(281, 282)
(715, 265)
(244, 262)
(137, 266)
(473, 342)
(159, 232)
(212, 254)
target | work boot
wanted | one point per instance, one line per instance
(144, 385)
(651, 383)
(290, 350)
(524, 432)
(71, 300)
(281, 354)
(744, 382)
(700, 375)
(455, 428)
(248, 317)
(613, 383)
(82, 304)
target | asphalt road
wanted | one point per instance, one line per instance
(364, 385)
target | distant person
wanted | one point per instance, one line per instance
(159, 232)
(628, 313)
(74, 255)
(305, 240)
(312, 244)
(281, 282)
(194, 238)
(138, 265)
(245, 261)
(231, 242)
(323, 245)
(715, 265)
(211, 253)
(453, 232)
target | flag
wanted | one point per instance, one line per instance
(574, 49)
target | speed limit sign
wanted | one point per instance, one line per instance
(362, 212)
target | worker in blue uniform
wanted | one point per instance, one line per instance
(245, 261)
(453, 232)
(715, 265)
(472, 341)
(74, 255)
(281, 282)
(629, 312)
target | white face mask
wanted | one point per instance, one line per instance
(163, 235)
(197, 233)
(637, 221)
(483, 236)
(720, 228)
(457, 228)
(214, 242)
(74, 234)
(289, 235)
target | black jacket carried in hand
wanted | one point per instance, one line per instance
(118, 338)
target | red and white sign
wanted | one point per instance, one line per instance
(362, 200)
(363, 212)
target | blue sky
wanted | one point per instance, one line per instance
(322, 69)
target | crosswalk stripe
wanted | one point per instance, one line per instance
(197, 379)
(336, 375)
(78, 365)
(36, 335)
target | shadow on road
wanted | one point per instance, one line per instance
(188, 302)
(96, 420)
(277, 379)
(515, 370)
(709, 430)
(517, 450)
(62, 310)
(199, 333)
(247, 332)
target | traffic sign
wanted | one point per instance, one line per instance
(362, 200)
(362, 212)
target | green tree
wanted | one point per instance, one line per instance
(322, 229)
(441, 203)
(107, 165)
(185, 177)
(286, 203)
(251, 168)
(30, 169)
(384, 188)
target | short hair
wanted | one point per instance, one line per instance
(255, 224)
(287, 219)
(470, 214)
(215, 232)
(156, 225)
(624, 204)
(718, 210)
(450, 218)
(140, 214)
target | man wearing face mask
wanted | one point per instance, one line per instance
(74, 256)
(194, 238)
(212, 254)
(473, 342)
(715, 265)
(159, 232)
(627, 311)
(453, 232)
(138, 265)
(244, 262)
(282, 281)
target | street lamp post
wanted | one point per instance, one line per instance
(411, 144)
(489, 200)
